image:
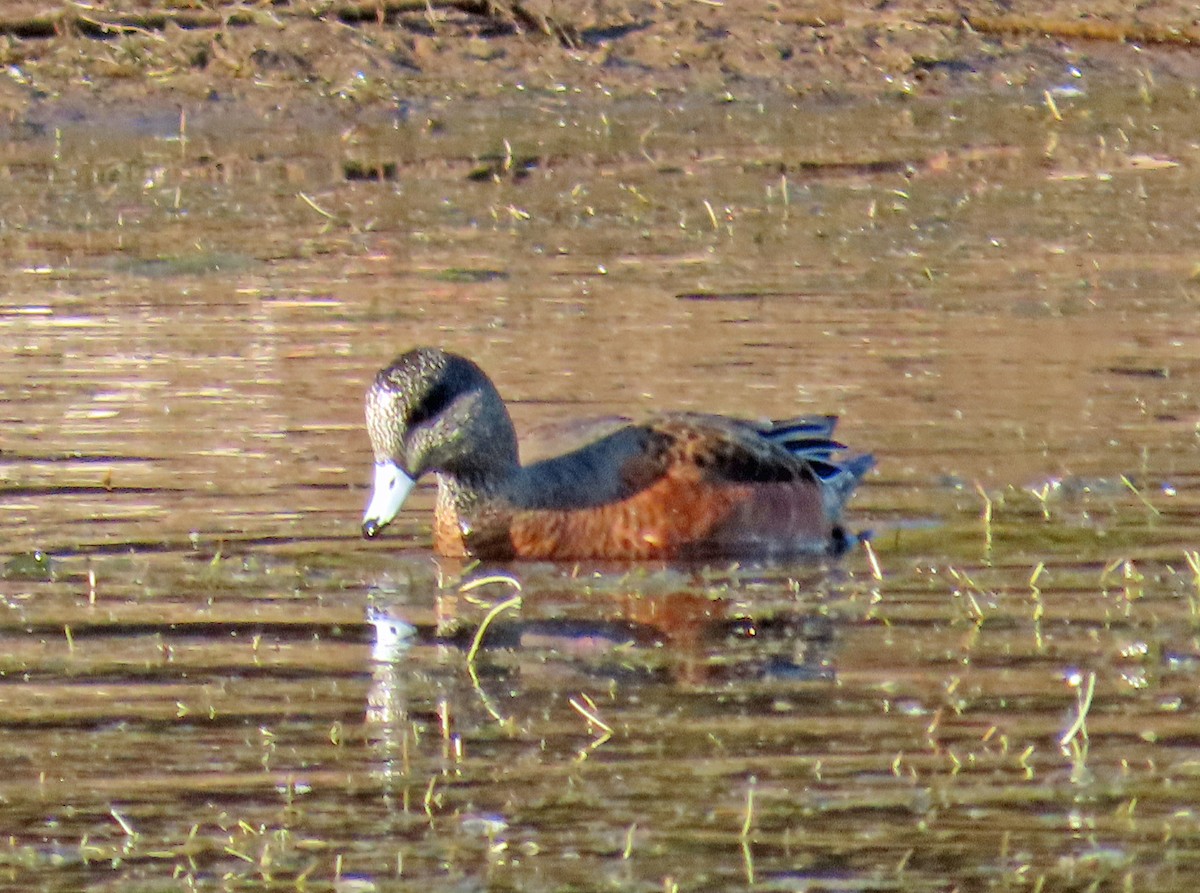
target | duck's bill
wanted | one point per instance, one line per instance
(387, 495)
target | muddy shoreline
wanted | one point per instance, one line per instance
(381, 53)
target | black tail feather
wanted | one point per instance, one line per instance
(811, 438)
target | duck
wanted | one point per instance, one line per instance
(669, 486)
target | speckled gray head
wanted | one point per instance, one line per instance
(396, 393)
(422, 411)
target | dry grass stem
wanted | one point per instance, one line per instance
(1079, 726)
(587, 711)
(477, 642)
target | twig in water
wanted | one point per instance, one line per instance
(123, 822)
(312, 204)
(749, 821)
(1138, 493)
(514, 602)
(1085, 704)
(876, 571)
(987, 515)
(1052, 105)
(590, 715)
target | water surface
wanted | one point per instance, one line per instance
(1000, 304)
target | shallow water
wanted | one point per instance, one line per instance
(1000, 304)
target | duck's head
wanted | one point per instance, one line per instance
(433, 411)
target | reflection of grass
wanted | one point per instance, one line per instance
(275, 854)
(917, 732)
(1086, 524)
(1193, 559)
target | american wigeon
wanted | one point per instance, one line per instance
(676, 485)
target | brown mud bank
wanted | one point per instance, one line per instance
(387, 50)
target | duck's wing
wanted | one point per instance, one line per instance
(629, 457)
(736, 451)
(553, 439)
(684, 485)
